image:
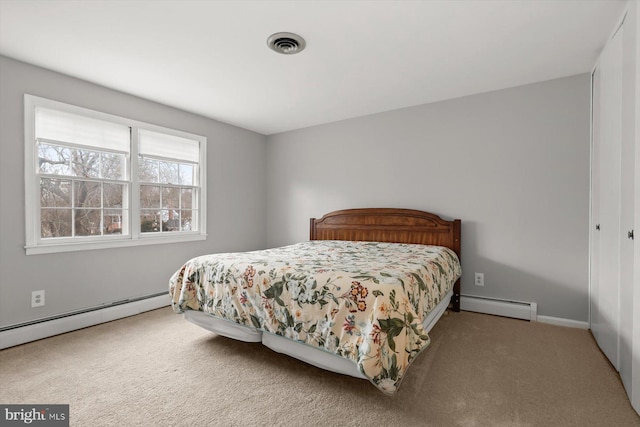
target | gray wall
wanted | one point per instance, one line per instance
(76, 280)
(513, 165)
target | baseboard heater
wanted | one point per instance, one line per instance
(47, 327)
(500, 307)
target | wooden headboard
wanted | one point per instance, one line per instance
(390, 225)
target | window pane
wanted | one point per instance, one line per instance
(54, 160)
(186, 174)
(113, 220)
(85, 163)
(149, 196)
(186, 220)
(112, 166)
(113, 195)
(170, 197)
(170, 220)
(149, 222)
(55, 192)
(87, 222)
(87, 194)
(55, 223)
(147, 170)
(169, 173)
(187, 198)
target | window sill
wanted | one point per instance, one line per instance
(120, 243)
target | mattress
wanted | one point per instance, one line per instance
(308, 354)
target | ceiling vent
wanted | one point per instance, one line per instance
(286, 43)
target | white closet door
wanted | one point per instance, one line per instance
(607, 146)
(635, 348)
(596, 132)
(627, 201)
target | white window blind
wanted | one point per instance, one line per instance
(168, 146)
(71, 128)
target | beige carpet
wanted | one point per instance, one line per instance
(156, 369)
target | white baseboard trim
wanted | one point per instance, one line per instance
(563, 322)
(499, 307)
(514, 309)
(37, 331)
(49, 328)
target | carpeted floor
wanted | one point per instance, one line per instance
(156, 369)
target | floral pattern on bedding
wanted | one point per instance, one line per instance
(363, 301)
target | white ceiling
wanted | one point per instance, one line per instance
(362, 57)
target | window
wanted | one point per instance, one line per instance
(167, 167)
(95, 181)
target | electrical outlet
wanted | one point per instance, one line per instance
(479, 279)
(37, 298)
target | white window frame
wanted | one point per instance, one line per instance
(36, 245)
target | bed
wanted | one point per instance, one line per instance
(358, 298)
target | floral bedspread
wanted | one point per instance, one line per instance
(363, 301)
